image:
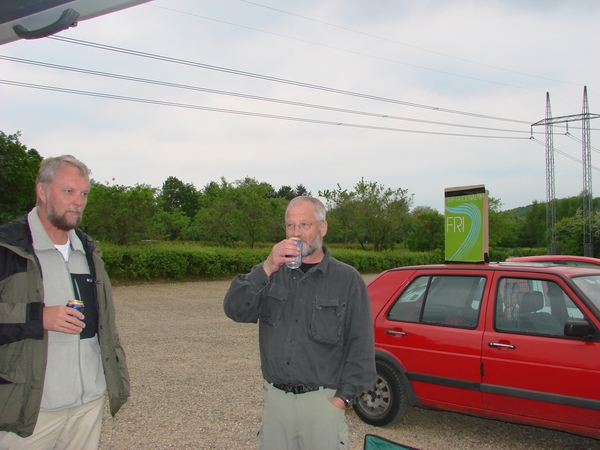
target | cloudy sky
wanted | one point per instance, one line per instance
(419, 95)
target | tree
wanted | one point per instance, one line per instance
(242, 211)
(569, 234)
(18, 172)
(254, 212)
(121, 214)
(179, 196)
(372, 213)
(285, 192)
(568, 207)
(504, 226)
(288, 193)
(427, 231)
(171, 225)
(211, 223)
(533, 231)
(301, 190)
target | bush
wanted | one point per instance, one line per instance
(181, 261)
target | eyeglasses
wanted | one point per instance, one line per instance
(302, 225)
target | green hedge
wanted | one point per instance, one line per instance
(182, 261)
(163, 261)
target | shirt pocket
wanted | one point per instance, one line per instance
(271, 308)
(327, 318)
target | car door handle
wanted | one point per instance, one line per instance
(498, 344)
(395, 333)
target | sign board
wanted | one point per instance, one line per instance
(466, 224)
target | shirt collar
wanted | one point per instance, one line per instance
(324, 264)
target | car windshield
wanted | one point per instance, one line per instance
(590, 285)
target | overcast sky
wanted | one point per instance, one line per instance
(419, 95)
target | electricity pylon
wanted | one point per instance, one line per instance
(586, 158)
(584, 117)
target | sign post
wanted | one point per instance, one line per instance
(466, 224)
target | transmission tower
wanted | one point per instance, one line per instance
(586, 158)
(550, 191)
(584, 117)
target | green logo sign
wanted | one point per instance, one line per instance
(466, 224)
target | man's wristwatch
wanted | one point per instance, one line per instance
(348, 401)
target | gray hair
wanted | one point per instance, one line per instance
(317, 205)
(50, 166)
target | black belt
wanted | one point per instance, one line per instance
(295, 388)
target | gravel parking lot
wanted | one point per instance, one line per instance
(196, 384)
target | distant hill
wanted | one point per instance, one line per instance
(521, 211)
(575, 203)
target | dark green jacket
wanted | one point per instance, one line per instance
(23, 342)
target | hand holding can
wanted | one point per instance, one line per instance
(298, 261)
(76, 304)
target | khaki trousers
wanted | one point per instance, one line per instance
(301, 421)
(70, 429)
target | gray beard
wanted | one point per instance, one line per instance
(61, 222)
(311, 247)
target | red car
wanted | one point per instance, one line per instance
(519, 343)
(579, 261)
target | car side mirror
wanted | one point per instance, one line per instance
(577, 328)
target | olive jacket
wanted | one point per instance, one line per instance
(23, 341)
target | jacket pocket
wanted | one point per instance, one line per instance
(327, 319)
(123, 371)
(271, 308)
(13, 368)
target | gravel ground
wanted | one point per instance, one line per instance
(196, 384)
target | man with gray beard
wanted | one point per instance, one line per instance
(315, 335)
(56, 362)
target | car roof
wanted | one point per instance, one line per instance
(507, 266)
(573, 258)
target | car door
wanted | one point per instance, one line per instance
(530, 368)
(432, 328)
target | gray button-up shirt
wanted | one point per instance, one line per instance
(314, 329)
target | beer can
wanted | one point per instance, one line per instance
(298, 261)
(76, 304)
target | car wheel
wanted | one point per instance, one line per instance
(386, 402)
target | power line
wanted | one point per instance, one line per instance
(400, 43)
(346, 50)
(246, 96)
(537, 141)
(277, 80)
(244, 113)
(571, 127)
(580, 141)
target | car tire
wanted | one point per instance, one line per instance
(386, 402)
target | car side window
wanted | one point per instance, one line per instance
(533, 306)
(448, 300)
(408, 306)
